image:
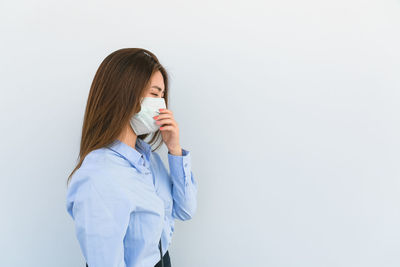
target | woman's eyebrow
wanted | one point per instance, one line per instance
(159, 89)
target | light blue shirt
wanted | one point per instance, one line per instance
(123, 200)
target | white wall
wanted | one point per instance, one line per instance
(290, 109)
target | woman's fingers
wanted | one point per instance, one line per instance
(165, 111)
(163, 116)
(168, 128)
(166, 122)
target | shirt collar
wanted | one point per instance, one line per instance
(143, 146)
(129, 153)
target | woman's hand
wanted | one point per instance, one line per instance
(169, 131)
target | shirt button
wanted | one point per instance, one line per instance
(185, 164)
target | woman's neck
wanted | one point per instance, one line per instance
(128, 137)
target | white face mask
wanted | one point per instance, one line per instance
(143, 122)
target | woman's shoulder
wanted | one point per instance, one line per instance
(101, 169)
(104, 158)
(97, 180)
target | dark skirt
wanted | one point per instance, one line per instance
(166, 260)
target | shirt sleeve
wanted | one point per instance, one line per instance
(101, 221)
(184, 186)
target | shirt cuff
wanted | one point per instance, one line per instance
(180, 166)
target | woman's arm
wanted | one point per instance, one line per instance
(184, 186)
(100, 224)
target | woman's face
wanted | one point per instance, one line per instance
(156, 88)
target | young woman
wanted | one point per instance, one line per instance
(120, 195)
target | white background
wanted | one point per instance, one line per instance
(289, 108)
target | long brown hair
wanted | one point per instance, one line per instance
(115, 93)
